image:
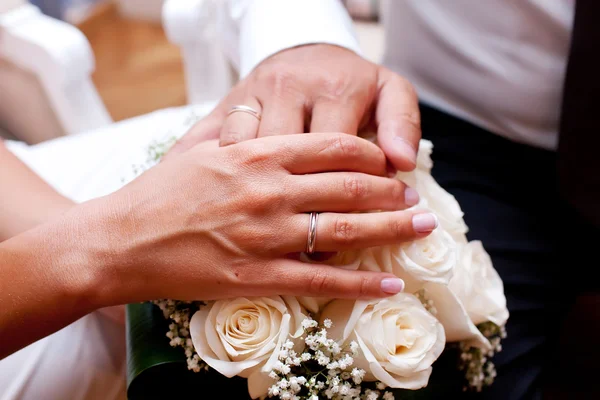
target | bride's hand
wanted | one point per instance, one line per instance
(222, 222)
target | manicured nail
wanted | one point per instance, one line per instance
(411, 197)
(424, 223)
(392, 285)
(406, 149)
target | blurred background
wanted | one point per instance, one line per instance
(132, 53)
(134, 56)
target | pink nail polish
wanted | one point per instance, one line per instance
(411, 197)
(424, 223)
(392, 285)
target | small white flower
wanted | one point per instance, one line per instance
(309, 323)
(273, 391)
(327, 323)
(358, 375)
(273, 375)
(283, 354)
(283, 384)
(305, 356)
(388, 396)
(345, 389)
(335, 348)
(380, 385)
(322, 359)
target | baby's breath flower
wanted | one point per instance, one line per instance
(323, 370)
(309, 323)
(477, 365)
(354, 347)
(388, 396)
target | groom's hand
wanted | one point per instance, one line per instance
(319, 88)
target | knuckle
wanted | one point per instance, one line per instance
(321, 282)
(397, 192)
(344, 232)
(264, 199)
(255, 154)
(334, 86)
(345, 146)
(355, 188)
(279, 78)
(364, 287)
(398, 228)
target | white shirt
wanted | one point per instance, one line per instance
(496, 63)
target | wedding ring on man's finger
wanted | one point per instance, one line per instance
(312, 232)
(244, 109)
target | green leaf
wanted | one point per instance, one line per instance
(155, 370)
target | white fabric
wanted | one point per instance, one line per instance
(496, 63)
(256, 29)
(86, 360)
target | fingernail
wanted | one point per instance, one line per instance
(392, 285)
(411, 197)
(424, 223)
(406, 149)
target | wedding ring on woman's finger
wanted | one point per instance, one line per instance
(312, 232)
(245, 109)
(353, 231)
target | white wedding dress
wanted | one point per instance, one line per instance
(86, 360)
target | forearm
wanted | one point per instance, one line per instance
(51, 276)
(26, 199)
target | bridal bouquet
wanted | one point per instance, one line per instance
(320, 348)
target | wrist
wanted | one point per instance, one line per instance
(82, 256)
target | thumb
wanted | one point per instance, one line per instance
(398, 120)
(318, 280)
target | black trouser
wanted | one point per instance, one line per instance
(541, 250)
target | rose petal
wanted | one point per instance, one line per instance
(258, 384)
(197, 326)
(453, 316)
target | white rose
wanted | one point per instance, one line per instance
(243, 336)
(424, 161)
(453, 316)
(398, 338)
(478, 286)
(442, 203)
(430, 259)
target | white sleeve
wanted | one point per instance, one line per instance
(253, 30)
